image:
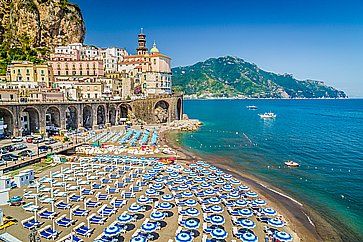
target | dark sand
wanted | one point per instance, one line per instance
(302, 219)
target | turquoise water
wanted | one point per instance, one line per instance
(324, 136)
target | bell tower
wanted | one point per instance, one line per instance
(141, 49)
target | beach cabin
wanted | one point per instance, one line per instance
(5, 182)
(31, 174)
(24, 178)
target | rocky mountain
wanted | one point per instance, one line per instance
(30, 28)
(233, 77)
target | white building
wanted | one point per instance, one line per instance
(110, 57)
(24, 178)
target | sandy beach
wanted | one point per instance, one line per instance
(308, 224)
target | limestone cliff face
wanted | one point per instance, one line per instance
(39, 23)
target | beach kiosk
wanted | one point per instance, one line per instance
(24, 178)
(5, 185)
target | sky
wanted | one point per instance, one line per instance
(320, 39)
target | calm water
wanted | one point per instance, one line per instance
(324, 136)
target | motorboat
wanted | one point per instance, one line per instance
(251, 107)
(268, 115)
(291, 163)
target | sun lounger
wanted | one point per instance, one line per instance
(62, 205)
(94, 219)
(64, 221)
(45, 214)
(48, 233)
(79, 212)
(83, 230)
(70, 238)
(75, 198)
(106, 211)
(92, 204)
(30, 223)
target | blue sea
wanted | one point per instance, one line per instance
(324, 136)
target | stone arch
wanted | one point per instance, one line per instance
(30, 120)
(6, 123)
(101, 115)
(125, 112)
(71, 118)
(179, 109)
(112, 115)
(87, 116)
(52, 120)
(161, 111)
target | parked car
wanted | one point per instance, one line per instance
(17, 139)
(38, 140)
(50, 142)
(20, 146)
(26, 153)
(9, 157)
(29, 139)
(7, 149)
(43, 148)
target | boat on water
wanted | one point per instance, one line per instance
(291, 163)
(268, 115)
(251, 107)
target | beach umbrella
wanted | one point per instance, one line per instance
(251, 194)
(112, 231)
(216, 209)
(151, 192)
(283, 236)
(241, 203)
(234, 181)
(247, 223)
(227, 176)
(276, 222)
(269, 211)
(209, 192)
(198, 179)
(183, 237)
(134, 208)
(260, 202)
(190, 202)
(139, 238)
(185, 194)
(157, 215)
(205, 185)
(243, 188)
(248, 237)
(245, 212)
(191, 223)
(200, 162)
(183, 187)
(167, 197)
(165, 206)
(227, 187)
(193, 174)
(149, 227)
(187, 170)
(219, 182)
(214, 200)
(144, 200)
(179, 181)
(219, 233)
(157, 186)
(212, 176)
(213, 168)
(193, 212)
(124, 218)
(217, 219)
(233, 195)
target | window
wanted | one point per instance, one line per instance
(95, 95)
(89, 95)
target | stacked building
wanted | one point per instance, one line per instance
(84, 72)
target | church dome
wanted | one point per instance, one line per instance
(154, 49)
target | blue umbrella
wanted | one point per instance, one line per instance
(234, 195)
(193, 166)
(219, 233)
(191, 223)
(198, 180)
(217, 219)
(227, 187)
(167, 197)
(243, 188)
(212, 176)
(165, 206)
(187, 170)
(183, 237)
(124, 218)
(148, 227)
(251, 194)
(190, 202)
(182, 187)
(209, 192)
(227, 176)
(248, 237)
(241, 203)
(269, 211)
(139, 238)
(246, 223)
(283, 236)
(235, 181)
(179, 181)
(219, 182)
(216, 209)
(134, 208)
(199, 162)
(205, 185)
(151, 192)
(260, 202)
(157, 186)
(144, 200)
(112, 231)
(192, 212)
(157, 215)
(276, 222)
(214, 200)
(245, 212)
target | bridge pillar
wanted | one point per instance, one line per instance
(62, 114)
(42, 124)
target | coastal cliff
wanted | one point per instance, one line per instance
(29, 29)
(233, 77)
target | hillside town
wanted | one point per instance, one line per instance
(79, 72)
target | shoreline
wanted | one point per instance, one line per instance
(307, 223)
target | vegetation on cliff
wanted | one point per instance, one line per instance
(231, 77)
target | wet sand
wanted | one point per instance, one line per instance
(303, 220)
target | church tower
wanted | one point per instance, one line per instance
(141, 49)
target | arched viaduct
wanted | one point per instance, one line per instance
(35, 117)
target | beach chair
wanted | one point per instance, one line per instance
(83, 230)
(45, 214)
(92, 204)
(75, 198)
(118, 203)
(96, 186)
(70, 237)
(94, 219)
(106, 211)
(87, 192)
(62, 205)
(79, 212)
(101, 196)
(63, 221)
(48, 233)
(207, 229)
(30, 223)
(30, 207)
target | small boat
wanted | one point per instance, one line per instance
(291, 163)
(268, 115)
(251, 107)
